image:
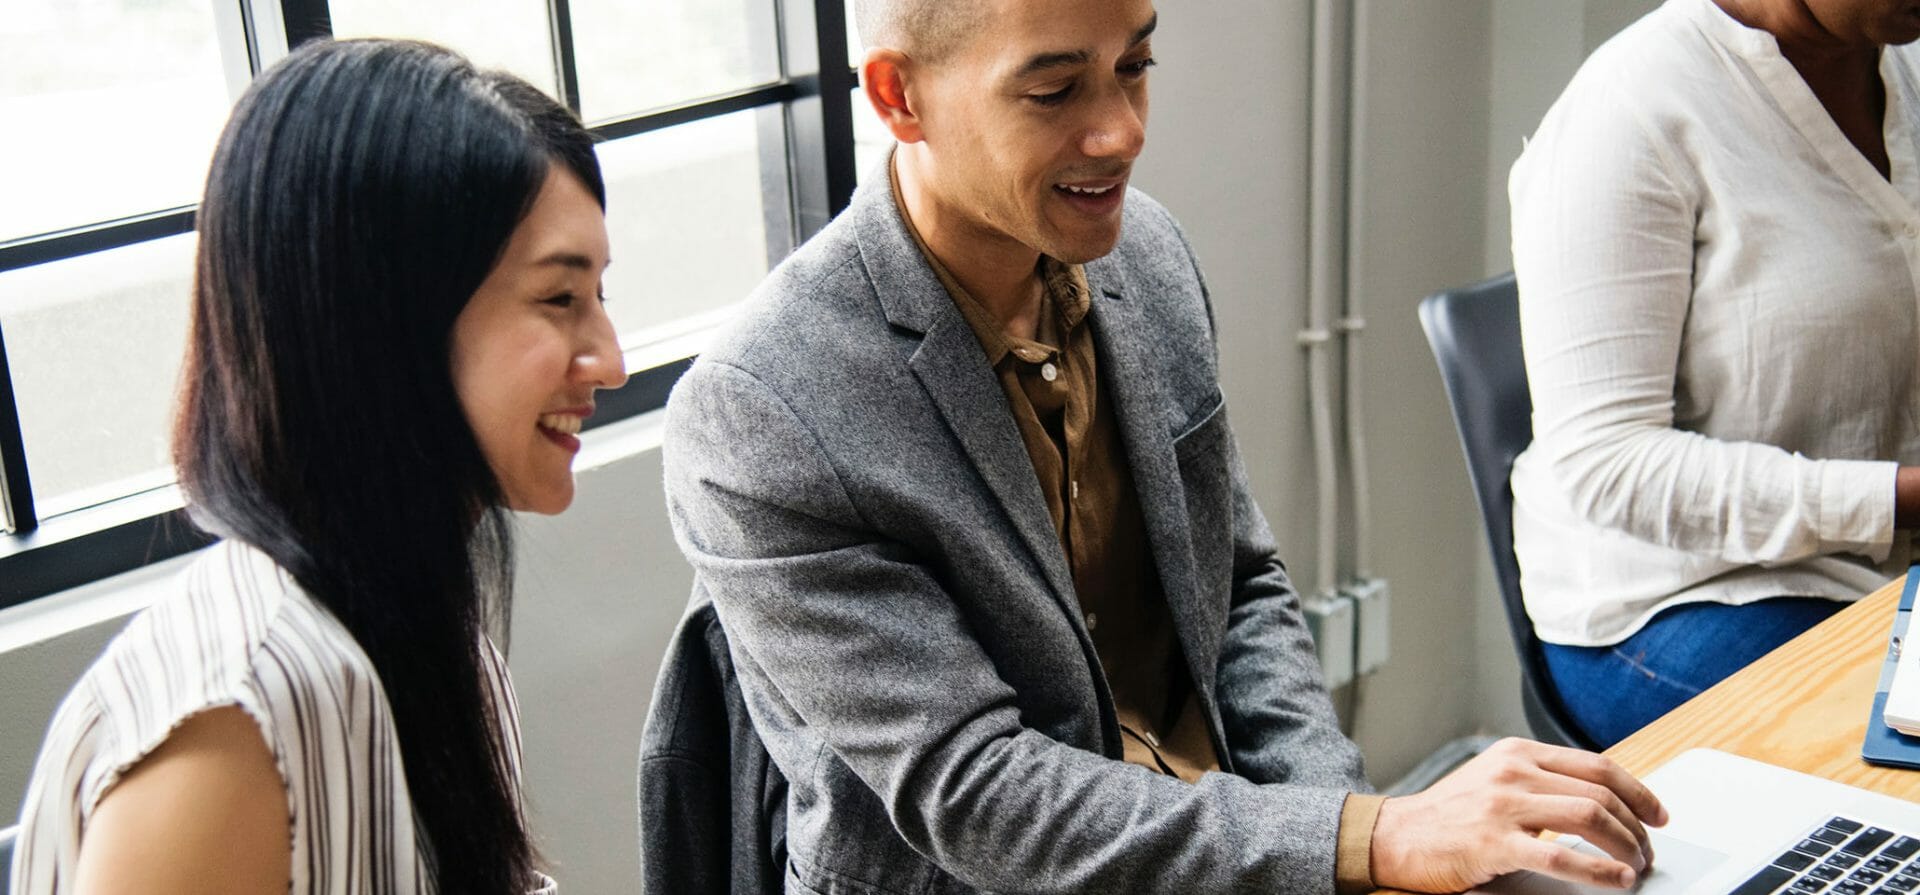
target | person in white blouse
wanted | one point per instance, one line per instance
(1716, 239)
(397, 331)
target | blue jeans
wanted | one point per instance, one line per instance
(1615, 690)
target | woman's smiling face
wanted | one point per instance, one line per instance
(534, 343)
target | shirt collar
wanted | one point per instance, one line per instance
(1067, 294)
(1751, 43)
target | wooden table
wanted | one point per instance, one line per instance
(1803, 706)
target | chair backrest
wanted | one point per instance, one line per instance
(1475, 335)
(713, 805)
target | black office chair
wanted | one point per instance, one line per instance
(1475, 334)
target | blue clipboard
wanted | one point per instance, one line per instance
(1884, 745)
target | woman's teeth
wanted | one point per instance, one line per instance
(563, 423)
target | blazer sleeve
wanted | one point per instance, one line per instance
(1274, 704)
(844, 633)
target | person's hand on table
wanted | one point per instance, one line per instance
(1485, 819)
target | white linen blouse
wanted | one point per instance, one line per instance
(1717, 302)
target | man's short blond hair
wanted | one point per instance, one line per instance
(927, 30)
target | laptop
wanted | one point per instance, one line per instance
(1741, 826)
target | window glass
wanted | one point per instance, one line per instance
(633, 56)
(870, 137)
(855, 51)
(110, 107)
(510, 34)
(686, 216)
(94, 344)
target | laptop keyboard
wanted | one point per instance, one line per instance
(1843, 857)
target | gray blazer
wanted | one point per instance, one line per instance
(844, 474)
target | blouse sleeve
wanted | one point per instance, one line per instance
(1604, 236)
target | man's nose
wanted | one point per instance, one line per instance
(1119, 131)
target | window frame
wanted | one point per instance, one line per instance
(807, 174)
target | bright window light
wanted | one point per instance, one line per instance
(111, 109)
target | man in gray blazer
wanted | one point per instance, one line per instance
(961, 487)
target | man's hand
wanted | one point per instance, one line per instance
(1484, 819)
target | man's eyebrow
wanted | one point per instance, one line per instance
(1140, 36)
(1046, 61)
(1069, 58)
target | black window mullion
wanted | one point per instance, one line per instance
(250, 28)
(14, 484)
(821, 119)
(698, 110)
(73, 549)
(837, 83)
(306, 20)
(560, 20)
(645, 391)
(64, 244)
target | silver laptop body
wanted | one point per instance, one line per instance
(1732, 817)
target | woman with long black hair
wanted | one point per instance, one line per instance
(397, 331)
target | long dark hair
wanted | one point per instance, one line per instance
(360, 194)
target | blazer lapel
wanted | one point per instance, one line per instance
(954, 372)
(953, 369)
(1146, 421)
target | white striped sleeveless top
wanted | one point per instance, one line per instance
(239, 632)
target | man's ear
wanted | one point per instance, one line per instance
(884, 75)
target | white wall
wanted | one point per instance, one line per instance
(1227, 153)
(599, 591)
(1420, 137)
(1447, 87)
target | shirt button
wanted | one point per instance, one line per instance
(1093, 620)
(1152, 740)
(1049, 372)
(1073, 490)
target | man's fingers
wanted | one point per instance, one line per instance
(1562, 785)
(1561, 862)
(1518, 788)
(1599, 769)
(1589, 820)
(1553, 770)
(1609, 800)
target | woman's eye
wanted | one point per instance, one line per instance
(563, 300)
(1052, 99)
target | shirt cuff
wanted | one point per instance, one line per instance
(1353, 855)
(1856, 506)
